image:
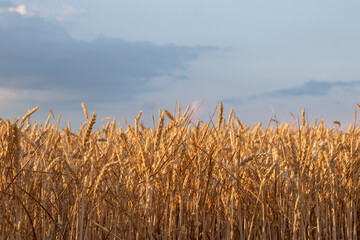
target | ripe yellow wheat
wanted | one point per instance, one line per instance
(181, 180)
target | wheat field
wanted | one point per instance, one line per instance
(181, 179)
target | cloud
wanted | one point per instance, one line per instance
(59, 14)
(308, 89)
(199, 109)
(21, 9)
(311, 88)
(66, 11)
(40, 55)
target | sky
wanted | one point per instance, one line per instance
(120, 57)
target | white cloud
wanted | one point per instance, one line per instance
(22, 10)
(66, 11)
(59, 13)
(199, 109)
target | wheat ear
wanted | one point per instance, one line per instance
(85, 110)
(89, 128)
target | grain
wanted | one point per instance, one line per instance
(85, 110)
(220, 115)
(179, 179)
(27, 115)
(159, 130)
(303, 117)
(169, 115)
(89, 129)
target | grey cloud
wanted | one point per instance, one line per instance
(309, 88)
(236, 101)
(37, 54)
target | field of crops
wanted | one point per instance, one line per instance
(182, 179)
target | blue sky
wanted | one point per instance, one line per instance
(120, 56)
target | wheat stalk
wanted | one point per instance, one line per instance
(180, 179)
(85, 110)
(27, 115)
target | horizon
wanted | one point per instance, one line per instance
(150, 118)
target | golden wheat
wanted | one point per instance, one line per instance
(179, 180)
